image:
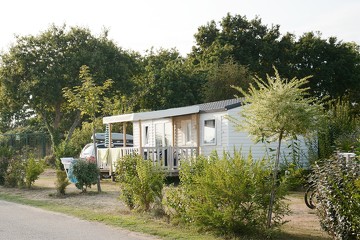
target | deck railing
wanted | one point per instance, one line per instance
(167, 157)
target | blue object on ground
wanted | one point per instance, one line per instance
(71, 176)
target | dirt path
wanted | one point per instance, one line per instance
(303, 220)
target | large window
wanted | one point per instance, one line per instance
(209, 131)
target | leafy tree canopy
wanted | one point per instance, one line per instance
(167, 81)
(334, 65)
(36, 69)
(279, 108)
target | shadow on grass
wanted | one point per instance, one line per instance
(289, 236)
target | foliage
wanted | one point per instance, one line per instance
(141, 182)
(166, 81)
(86, 173)
(61, 181)
(248, 42)
(278, 109)
(341, 129)
(6, 155)
(63, 150)
(221, 76)
(296, 176)
(33, 169)
(36, 69)
(82, 135)
(338, 202)
(15, 174)
(334, 64)
(87, 97)
(229, 196)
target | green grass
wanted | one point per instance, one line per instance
(131, 222)
(142, 223)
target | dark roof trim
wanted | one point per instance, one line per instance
(222, 105)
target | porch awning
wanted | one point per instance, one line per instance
(172, 112)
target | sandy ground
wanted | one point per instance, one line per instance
(302, 221)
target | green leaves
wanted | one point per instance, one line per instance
(32, 171)
(229, 195)
(141, 182)
(338, 202)
(86, 174)
(36, 68)
(87, 97)
(278, 106)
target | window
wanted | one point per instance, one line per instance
(163, 134)
(209, 132)
(186, 131)
(146, 135)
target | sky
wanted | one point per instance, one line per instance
(139, 25)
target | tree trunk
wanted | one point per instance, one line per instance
(273, 187)
(74, 125)
(53, 132)
(58, 114)
(96, 156)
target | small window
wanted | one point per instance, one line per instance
(209, 132)
(146, 135)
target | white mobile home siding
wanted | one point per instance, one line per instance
(220, 144)
(244, 141)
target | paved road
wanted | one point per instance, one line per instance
(19, 222)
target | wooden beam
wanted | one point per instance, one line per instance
(140, 139)
(173, 131)
(124, 134)
(198, 133)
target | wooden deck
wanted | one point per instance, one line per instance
(168, 158)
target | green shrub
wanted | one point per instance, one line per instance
(86, 174)
(64, 150)
(296, 177)
(5, 156)
(229, 196)
(32, 171)
(61, 182)
(15, 174)
(338, 201)
(141, 182)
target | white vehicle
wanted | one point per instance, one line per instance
(88, 152)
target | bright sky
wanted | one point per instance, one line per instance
(141, 24)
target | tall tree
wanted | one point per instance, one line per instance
(335, 66)
(87, 100)
(36, 69)
(220, 78)
(277, 109)
(249, 43)
(167, 81)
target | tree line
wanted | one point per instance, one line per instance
(36, 68)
